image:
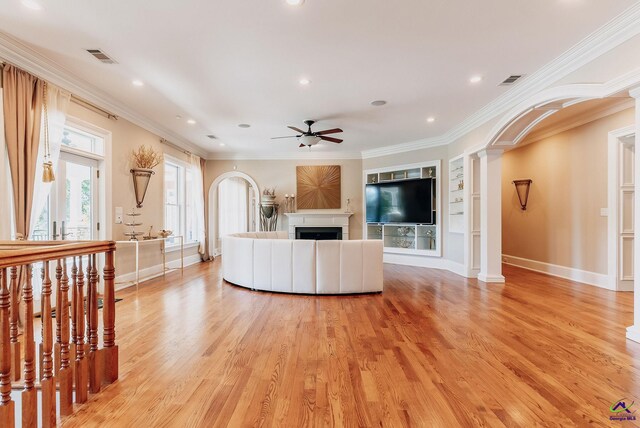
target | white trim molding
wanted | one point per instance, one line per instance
(21, 55)
(591, 278)
(128, 279)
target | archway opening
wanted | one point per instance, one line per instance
(565, 228)
(233, 208)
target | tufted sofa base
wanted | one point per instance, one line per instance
(269, 261)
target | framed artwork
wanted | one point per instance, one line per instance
(318, 187)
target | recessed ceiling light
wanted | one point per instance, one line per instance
(138, 83)
(295, 2)
(32, 4)
(304, 81)
(431, 119)
(244, 125)
(378, 103)
(222, 144)
(475, 79)
(191, 122)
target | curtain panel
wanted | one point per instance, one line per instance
(198, 202)
(57, 105)
(22, 102)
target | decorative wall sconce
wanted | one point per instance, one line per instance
(141, 177)
(522, 190)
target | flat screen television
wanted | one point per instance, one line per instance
(407, 201)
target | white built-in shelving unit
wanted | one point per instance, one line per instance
(456, 195)
(408, 238)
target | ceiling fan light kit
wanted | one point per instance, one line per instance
(309, 138)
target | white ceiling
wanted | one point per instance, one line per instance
(225, 63)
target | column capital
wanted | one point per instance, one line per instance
(635, 92)
(490, 152)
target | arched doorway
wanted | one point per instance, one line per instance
(486, 159)
(232, 207)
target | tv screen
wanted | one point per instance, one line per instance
(408, 201)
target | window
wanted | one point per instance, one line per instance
(178, 200)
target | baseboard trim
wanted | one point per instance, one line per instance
(128, 279)
(491, 279)
(583, 276)
(633, 333)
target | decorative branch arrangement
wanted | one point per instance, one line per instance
(146, 157)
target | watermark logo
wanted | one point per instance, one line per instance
(621, 410)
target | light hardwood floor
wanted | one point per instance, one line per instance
(433, 350)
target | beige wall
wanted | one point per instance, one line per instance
(281, 174)
(125, 137)
(562, 224)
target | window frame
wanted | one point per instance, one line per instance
(182, 168)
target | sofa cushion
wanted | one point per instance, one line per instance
(328, 267)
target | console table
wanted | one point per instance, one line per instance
(163, 242)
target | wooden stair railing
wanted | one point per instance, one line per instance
(75, 362)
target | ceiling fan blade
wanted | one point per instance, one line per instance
(331, 139)
(296, 129)
(290, 136)
(301, 145)
(329, 131)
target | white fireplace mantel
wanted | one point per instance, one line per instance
(315, 219)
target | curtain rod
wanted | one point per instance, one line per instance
(75, 99)
(86, 104)
(170, 144)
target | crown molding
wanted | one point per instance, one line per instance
(426, 143)
(287, 156)
(25, 57)
(576, 121)
(618, 30)
(615, 32)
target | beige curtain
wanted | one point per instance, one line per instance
(22, 101)
(205, 254)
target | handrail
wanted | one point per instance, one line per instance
(73, 360)
(18, 253)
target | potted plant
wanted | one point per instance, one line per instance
(144, 160)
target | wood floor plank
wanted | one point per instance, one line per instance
(433, 350)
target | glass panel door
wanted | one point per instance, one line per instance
(75, 199)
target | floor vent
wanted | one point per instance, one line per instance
(103, 57)
(511, 79)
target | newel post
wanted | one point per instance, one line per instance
(110, 350)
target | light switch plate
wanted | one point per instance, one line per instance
(119, 215)
(604, 212)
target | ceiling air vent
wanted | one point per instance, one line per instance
(213, 137)
(103, 57)
(511, 79)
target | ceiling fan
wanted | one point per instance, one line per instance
(309, 138)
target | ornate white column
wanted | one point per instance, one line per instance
(633, 332)
(491, 216)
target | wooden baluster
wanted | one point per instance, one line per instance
(47, 382)
(74, 302)
(40, 345)
(7, 418)
(81, 361)
(15, 345)
(56, 345)
(65, 374)
(95, 369)
(29, 394)
(110, 350)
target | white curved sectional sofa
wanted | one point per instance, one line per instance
(270, 261)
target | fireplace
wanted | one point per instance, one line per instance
(319, 233)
